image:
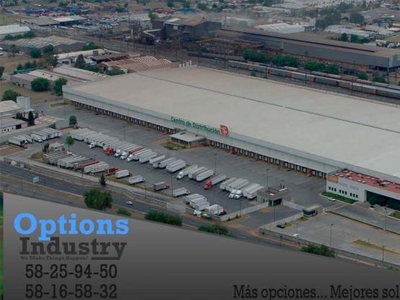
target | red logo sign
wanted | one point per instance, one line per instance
(224, 130)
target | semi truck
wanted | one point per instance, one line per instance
(122, 174)
(133, 151)
(85, 163)
(247, 188)
(224, 184)
(204, 175)
(193, 174)
(160, 186)
(214, 181)
(199, 204)
(136, 179)
(180, 192)
(176, 166)
(186, 171)
(162, 164)
(37, 138)
(145, 158)
(27, 138)
(193, 197)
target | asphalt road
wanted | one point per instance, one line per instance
(65, 186)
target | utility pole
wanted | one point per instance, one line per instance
(215, 163)
(383, 253)
(385, 217)
(330, 237)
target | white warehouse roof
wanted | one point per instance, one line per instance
(332, 127)
(13, 29)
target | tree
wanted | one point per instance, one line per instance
(162, 217)
(46, 147)
(379, 79)
(170, 3)
(152, 16)
(58, 85)
(123, 211)
(1, 71)
(28, 65)
(216, 229)
(398, 83)
(114, 72)
(52, 61)
(344, 37)
(34, 64)
(321, 250)
(356, 18)
(73, 121)
(69, 141)
(102, 180)
(80, 62)
(119, 8)
(13, 50)
(202, 6)
(40, 84)
(48, 50)
(10, 95)
(362, 76)
(31, 119)
(20, 66)
(91, 46)
(94, 198)
(332, 69)
(35, 53)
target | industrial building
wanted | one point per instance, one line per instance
(309, 47)
(305, 130)
(60, 44)
(13, 30)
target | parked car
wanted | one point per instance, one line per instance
(129, 203)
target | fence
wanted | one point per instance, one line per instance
(241, 212)
(282, 221)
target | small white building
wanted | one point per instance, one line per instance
(356, 186)
(282, 28)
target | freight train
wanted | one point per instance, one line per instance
(363, 86)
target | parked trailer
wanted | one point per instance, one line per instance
(88, 169)
(122, 174)
(224, 184)
(52, 159)
(79, 135)
(136, 179)
(215, 209)
(136, 156)
(239, 185)
(83, 164)
(186, 171)
(27, 138)
(193, 175)
(17, 142)
(21, 138)
(214, 181)
(70, 163)
(37, 138)
(232, 185)
(160, 186)
(176, 166)
(180, 192)
(156, 159)
(248, 188)
(99, 168)
(40, 135)
(166, 162)
(135, 152)
(145, 158)
(253, 193)
(197, 200)
(104, 142)
(204, 175)
(110, 171)
(129, 149)
(200, 205)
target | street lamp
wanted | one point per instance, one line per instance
(267, 179)
(297, 232)
(171, 185)
(385, 217)
(383, 253)
(124, 133)
(215, 163)
(330, 237)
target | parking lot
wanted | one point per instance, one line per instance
(305, 190)
(347, 235)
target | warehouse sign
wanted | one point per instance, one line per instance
(195, 125)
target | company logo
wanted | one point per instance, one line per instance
(224, 130)
(50, 231)
(195, 125)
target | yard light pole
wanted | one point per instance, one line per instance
(383, 253)
(171, 185)
(215, 163)
(297, 232)
(124, 133)
(385, 217)
(330, 237)
(266, 177)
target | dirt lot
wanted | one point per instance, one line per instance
(11, 64)
(36, 97)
